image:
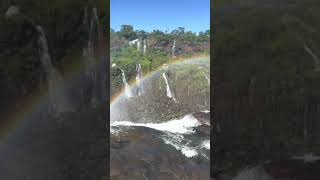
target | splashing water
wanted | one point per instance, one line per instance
(181, 126)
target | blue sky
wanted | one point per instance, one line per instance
(193, 15)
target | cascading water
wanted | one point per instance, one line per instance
(126, 85)
(169, 93)
(144, 46)
(207, 78)
(57, 99)
(95, 73)
(138, 78)
(86, 25)
(138, 45)
(173, 48)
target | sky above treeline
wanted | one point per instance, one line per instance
(164, 15)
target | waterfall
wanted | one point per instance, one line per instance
(126, 85)
(138, 79)
(169, 93)
(57, 100)
(95, 74)
(86, 25)
(207, 78)
(138, 45)
(173, 48)
(144, 46)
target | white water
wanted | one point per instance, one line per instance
(180, 144)
(206, 144)
(138, 79)
(173, 47)
(169, 93)
(308, 158)
(138, 45)
(180, 126)
(144, 46)
(57, 98)
(127, 90)
(174, 131)
(92, 71)
(207, 78)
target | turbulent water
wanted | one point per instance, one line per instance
(175, 133)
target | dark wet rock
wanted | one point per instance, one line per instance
(203, 130)
(203, 117)
(144, 155)
(294, 170)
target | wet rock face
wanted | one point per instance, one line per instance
(188, 86)
(139, 153)
(203, 117)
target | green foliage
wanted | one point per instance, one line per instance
(127, 32)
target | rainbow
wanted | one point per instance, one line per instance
(115, 98)
(18, 119)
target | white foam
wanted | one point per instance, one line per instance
(180, 126)
(180, 144)
(308, 158)
(206, 111)
(189, 152)
(206, 144)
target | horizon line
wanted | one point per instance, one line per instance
(167, 30)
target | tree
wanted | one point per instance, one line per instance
(127, 32)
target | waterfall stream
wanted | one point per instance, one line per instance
(144, 46)
(173, 48)
(138, 79)
(169, 93)
(57, 97)
(127, 90)
(95, 72)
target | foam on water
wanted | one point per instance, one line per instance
(206, 144)
(174, 132)
(180, 126)
(189, 152)
(180, 144)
